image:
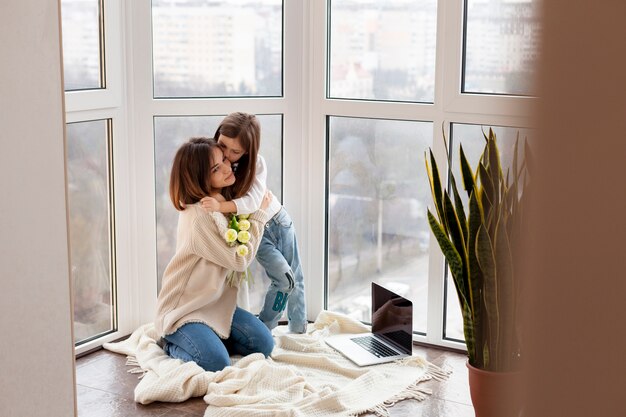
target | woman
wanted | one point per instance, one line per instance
(197, 313)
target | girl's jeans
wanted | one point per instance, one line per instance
(199, 343)
(278, 254)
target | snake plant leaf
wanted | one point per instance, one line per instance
(515, 170)
(516, 221)
(454, 225)
(509, 203)
(523, 171)
(485, 136)
(469, 180)
(505, 286)
(486, 357)
(435, 187)
(504, 193)
(486, 259)
(445, 141)
(475, 220)
(494, 169)
(506, 178)
(494, 157)
(460, 211)
(487, 181)
(487, 191)
(470, 337)
(512, 193)
(476, 279)
(528, 158)
(452, 256)
(514, 197)
(457, 238)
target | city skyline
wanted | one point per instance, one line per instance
(376, 52)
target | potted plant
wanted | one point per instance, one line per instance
(479, 246)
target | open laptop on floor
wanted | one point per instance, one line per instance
(392, 331)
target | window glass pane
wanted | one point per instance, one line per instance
(81, 44)
(382, 50)
(227, 48)
(501, 46)
(377, 227)
(89, 189)
(473, 141)
(170, 133)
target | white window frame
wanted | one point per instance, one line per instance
(128, 100)
(450, 106)
(144, 108)
(103, 104)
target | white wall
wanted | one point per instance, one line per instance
(36, 348)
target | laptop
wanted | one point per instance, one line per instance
(392, 331)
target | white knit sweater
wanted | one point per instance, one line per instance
(194, 287)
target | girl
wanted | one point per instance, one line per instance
(197, 313)
(239, 136)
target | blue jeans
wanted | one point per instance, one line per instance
(278, 254)
(199, 343)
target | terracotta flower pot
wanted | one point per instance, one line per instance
(495, 394)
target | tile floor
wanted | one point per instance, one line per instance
(105, 389)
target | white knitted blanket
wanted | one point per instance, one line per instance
(303, 377)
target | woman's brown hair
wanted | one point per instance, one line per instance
(190, 179)
(246, 127)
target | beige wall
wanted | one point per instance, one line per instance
(36, 349)
(577, 242)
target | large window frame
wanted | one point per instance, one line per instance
(450, 106)
(145, 107)
(109, 103)
(128, 100)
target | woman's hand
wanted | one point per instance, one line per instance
(210, 203)
(267, 198)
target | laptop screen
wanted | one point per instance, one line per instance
(392, 317)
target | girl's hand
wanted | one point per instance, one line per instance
(267, 198)
(210, 204)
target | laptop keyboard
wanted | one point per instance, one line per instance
(373, 346)
(400, 337)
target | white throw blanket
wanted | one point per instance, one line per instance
(303, 377)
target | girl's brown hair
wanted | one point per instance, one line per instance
(246, 127)
(190, 179)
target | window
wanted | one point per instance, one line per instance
(217, 49)
(194, 62)
(377, 228)
(382, 50)
(350, 94)
(395, 87)
(82, 44)
(92, 244)
(501, 43)
(97, 171)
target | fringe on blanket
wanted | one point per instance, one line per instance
(437, 373)
(413, 391)
(136, 369)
